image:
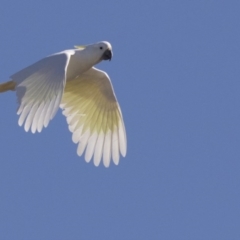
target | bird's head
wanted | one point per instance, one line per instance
(99, 51)
(105, 50)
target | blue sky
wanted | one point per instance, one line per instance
(176, 74)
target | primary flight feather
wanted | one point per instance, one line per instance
(70, 81)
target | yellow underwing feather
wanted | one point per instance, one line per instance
(94, 117)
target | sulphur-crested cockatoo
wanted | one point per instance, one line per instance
(70, 81)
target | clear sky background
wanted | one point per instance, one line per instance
(176, 73)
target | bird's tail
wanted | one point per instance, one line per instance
(7, 86)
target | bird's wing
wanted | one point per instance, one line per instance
(94, 117)
(39, 89)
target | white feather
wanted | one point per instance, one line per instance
(90, 147)
(77, 135)
(122, 138)
(107, 149)
(24, 114)
(36, 118)
(30, 117)
(98, 149)
(115, 146)
(83, 142)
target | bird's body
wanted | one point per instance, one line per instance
(69, 80)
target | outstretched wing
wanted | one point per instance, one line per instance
(39, 89)
(94, 117)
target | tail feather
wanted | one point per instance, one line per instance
(7, 86)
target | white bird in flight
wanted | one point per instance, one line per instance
(69, 80)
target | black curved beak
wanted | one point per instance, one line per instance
(107, 55)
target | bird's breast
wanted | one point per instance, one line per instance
(78, 64)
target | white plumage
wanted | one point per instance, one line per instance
(85, 94)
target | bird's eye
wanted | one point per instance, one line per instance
(101, 48)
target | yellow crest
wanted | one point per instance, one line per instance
(80, 47)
